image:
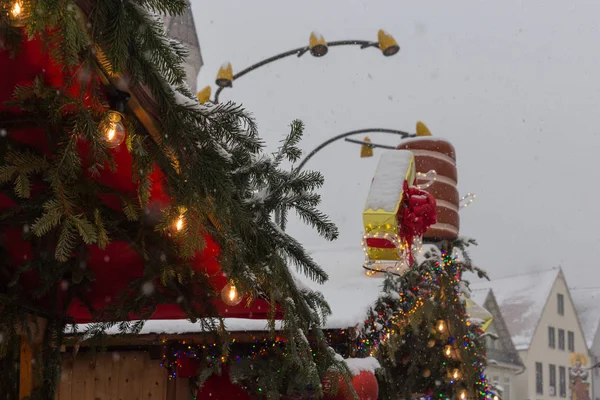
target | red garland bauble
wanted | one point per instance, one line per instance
(365, 385)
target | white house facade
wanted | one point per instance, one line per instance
(541, 317)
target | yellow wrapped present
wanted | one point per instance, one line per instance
(380, 215)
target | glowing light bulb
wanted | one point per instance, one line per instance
(496, 397)
(448, 351)
(463, 395)
(441, 326)
(179, 224)
(113, 128)
(17, 14)
(230, 295)
(16, 10)
(456, 374)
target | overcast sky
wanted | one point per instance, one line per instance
(512, 84)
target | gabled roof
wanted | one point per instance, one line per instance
(522, 299)
(587, 304)
(507, 354)
(479, 295)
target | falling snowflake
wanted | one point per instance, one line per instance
(163, 257)
(106, 259)
(1, 337)
(116, 356)
(3, 132)
(25, 227)
(179, 299)
(148, 288)
(64, 286)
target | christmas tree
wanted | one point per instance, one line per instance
(88, 162)
(421, 333)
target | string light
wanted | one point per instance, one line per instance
(179, 223)
(467, 200)
(211, 353)
(16, 10)
(448, 351)
(16, 14)
(431, 177)
(455, 374)
(387, 324)
(372, 255)
(230, 295)
(113, 129)
(441, 325)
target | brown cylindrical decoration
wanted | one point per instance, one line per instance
(439, 155)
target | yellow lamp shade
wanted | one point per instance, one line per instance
(387, 43)
(204, 95)
(365, 149)
(225, 75)
(317, 45)
(422, 129)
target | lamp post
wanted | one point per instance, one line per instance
(317, 46)
(366, 142)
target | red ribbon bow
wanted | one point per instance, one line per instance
(418, 214)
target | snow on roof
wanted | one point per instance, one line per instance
(479, 295)
(586, 302)
(521, 299)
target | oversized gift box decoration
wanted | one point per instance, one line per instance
(396, 213)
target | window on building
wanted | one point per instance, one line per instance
(571, 341)
(562, 380)
(561, 304)
(552, 377)
(561, 339)
(506, 387)
(539, 378)
(551, 337)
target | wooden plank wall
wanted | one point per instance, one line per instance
(117, 376)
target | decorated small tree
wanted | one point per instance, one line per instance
(421, 333)
(427, 344)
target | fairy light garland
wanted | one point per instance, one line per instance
(211, 353)
(380, 327)
(376, 331)
(466, 200)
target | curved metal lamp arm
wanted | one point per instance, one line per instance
(344, 135)
(299, 52)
